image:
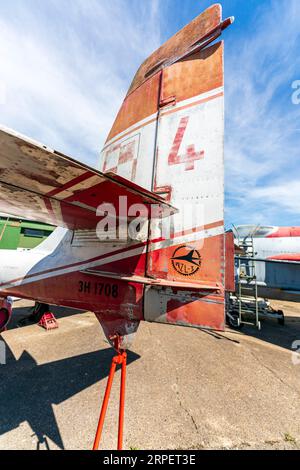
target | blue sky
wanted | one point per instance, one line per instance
(66, 65)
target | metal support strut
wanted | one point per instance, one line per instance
(120, 358)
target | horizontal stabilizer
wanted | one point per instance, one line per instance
(191, 286)
(39, 183)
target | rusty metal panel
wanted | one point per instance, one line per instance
(139, 105)
(199, 75)
(189, 169)
(174, 306)
(41, 184)
(189, 165)
(180, 43)
(130, 147)
(229, 263)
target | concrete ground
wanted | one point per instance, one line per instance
(186, 388)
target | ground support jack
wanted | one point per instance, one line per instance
(121, 359)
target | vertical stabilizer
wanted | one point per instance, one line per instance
(168, 137)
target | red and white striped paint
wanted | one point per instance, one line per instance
(167, 141)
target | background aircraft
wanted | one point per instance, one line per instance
(276, 251)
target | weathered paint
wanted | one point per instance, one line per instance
(167, 138)
(189, 165)
(41, 184)
(229, 266)
(180, 44)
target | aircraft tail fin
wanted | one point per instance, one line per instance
(168, 138)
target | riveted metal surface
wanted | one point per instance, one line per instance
(166, 140)
(180, 43)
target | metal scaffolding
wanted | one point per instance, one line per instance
(244, 307)
(246, 292)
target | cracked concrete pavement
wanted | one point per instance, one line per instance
(186, 388)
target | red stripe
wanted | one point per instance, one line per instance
(71, 183)
(195, 103)
(285, 232)
(97, 258)
(50, 211)
(198, 229)
(286, 257)
(112, 253)
(116, 138)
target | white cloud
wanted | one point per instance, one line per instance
(281, 194)
(66, 67)
(262, 141)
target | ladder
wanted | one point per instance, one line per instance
(246, 293)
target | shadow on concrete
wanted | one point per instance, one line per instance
(22, 312)
(273, 333)
(280, 335)
(219, 335)
(29, 390)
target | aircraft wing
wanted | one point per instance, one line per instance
(42, 184)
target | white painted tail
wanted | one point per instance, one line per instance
(168, 138)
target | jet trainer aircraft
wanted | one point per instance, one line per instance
(142, 238)
(277, 259)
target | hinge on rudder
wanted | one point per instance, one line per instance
(48, 321)
(169, 101)
(164, 192)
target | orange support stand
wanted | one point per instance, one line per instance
(120, 358)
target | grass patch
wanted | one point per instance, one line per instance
(289, 438)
